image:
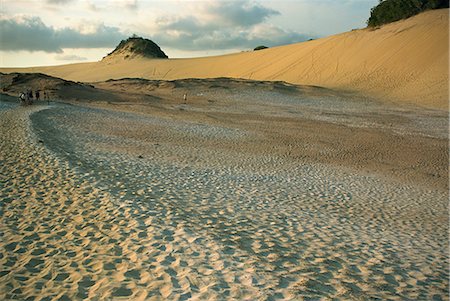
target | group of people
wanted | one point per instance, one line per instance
(27, 96)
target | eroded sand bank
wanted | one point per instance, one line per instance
(222, 200)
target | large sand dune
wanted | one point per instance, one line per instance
(406, 61)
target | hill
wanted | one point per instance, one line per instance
(135, 47)
(405, 62)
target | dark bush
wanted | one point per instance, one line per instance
(260, 47)
(388, 11)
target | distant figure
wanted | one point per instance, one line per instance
(22, 98)
(185, 97)
(46, 97)
(30, 97)
(37, 95)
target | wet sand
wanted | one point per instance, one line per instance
(240, 194)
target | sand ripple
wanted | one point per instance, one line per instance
(83, 217)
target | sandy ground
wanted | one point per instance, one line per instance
(405, 62)
(249, 191)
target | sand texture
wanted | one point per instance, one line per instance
(249, 191)
(406, 61)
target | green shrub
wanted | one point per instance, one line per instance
(388, 11)
(260, 47)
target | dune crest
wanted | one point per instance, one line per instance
(405, 62)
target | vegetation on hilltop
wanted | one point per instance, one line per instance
(260, 47)
(388, 11)
(139, 46)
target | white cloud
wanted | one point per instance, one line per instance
(58, 1)
(236, 13)
(30, 33)
(99, 6)
(215, 25)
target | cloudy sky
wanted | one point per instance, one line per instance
(53, 32)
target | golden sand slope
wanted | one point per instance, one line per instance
(406, 61)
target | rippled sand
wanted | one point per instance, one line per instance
(179, 202)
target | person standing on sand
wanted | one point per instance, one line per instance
(30, 97)
(185, 98)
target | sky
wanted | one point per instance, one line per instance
(55, 32)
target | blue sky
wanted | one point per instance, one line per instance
(51, 32)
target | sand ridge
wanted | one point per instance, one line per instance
(404, 62)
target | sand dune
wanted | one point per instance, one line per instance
(404, 62)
